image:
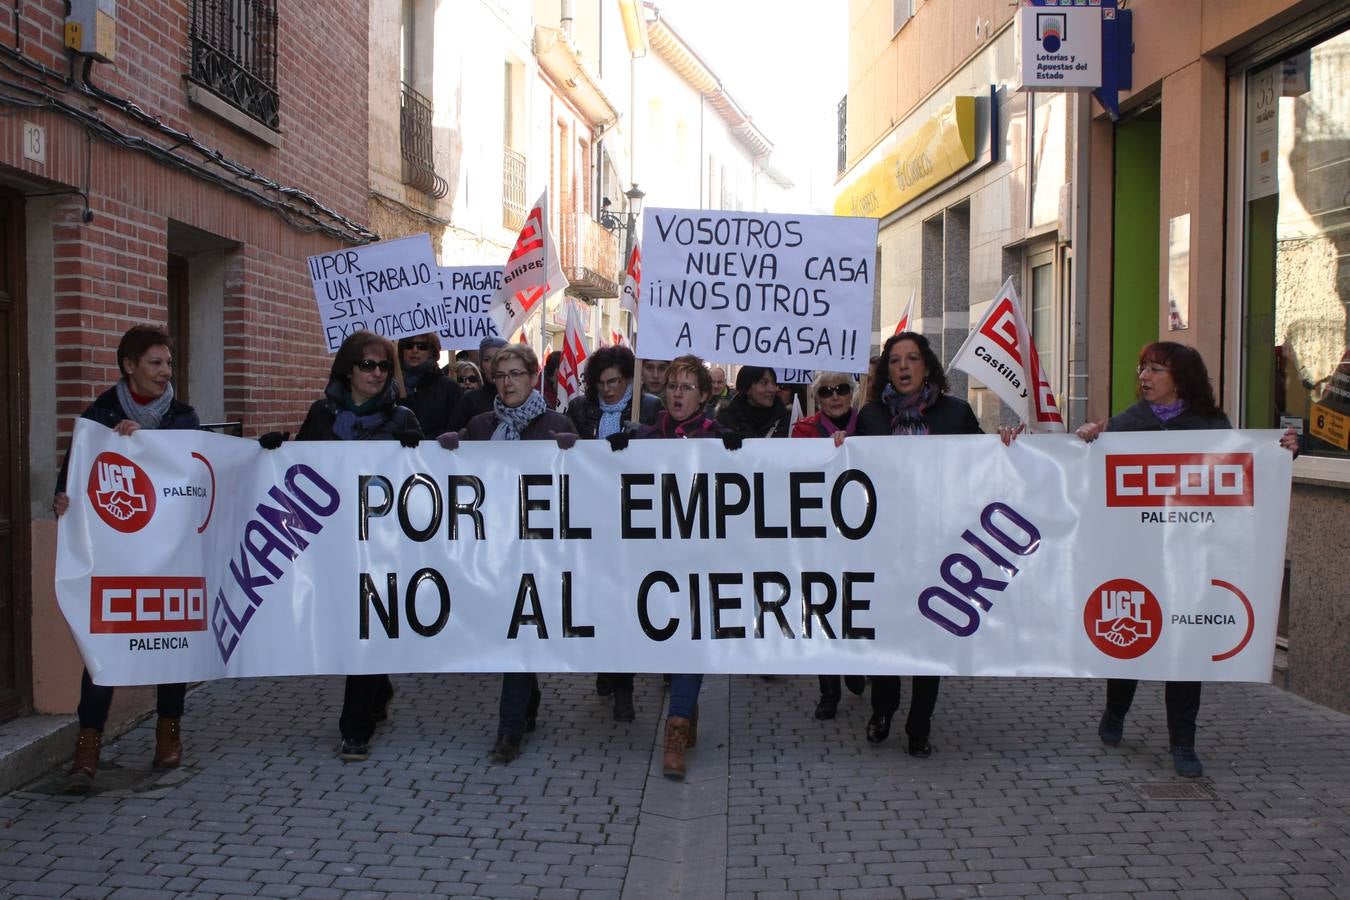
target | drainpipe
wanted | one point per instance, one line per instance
(565, 19)
(1076, 411)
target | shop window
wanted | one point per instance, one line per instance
(1296, 366)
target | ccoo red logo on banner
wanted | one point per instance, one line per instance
(1179, 479)
(146, 604)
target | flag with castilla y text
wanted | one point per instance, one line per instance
(573, 355)
(632, 282)
(994, 354)
(532, 272)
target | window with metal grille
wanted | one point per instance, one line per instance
(843, 134)
(234, 54)
(414, 126)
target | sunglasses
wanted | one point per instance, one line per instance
(370, 365)
(838, 390)
(415, 345)
(469, 379)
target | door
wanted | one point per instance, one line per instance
(15, 597)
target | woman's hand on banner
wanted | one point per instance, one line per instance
(126, 427)
(1008, 433)
(732, 441)
(566, 439)
(449, 440)
(618, 441)
(273, 439)
(839, 438)
(60, 503)
(1289, 441)
(1089, 431)
(409, 438)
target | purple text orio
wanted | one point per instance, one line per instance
(274, 537)
(957, 603)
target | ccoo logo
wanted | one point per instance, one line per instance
(1123, 618)
(121, 493)
(1179, 479)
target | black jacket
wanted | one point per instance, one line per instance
(473, 403)
(107, 410)
(433, 401)
(735, 417)
(395, 419)
(542, 428)
(586, 415)
(947, 416)
(1140, 417)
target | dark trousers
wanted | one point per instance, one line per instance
(886, 700)
(96, 700)
(829, 686)
(362, 702)
(621, 682)
(519, 703)
(1182, 699)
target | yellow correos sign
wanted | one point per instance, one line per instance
(938, 149)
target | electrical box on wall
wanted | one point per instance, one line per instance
(91, 28)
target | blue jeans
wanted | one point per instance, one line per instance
(519, 702)
(684, 695)
(96, 700)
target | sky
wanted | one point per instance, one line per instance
(785, 63)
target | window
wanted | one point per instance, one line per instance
(1042, 321)
(513, 137)
(234, 54)
(1296, 367)
(901, 11)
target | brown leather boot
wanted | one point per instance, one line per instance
(88, 743)
(168, 744)
(677, 739)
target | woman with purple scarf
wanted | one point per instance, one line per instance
(909, 397)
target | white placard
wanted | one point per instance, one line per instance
(466, 292)
(1142, 555)
(1061, 47)
(1263, 131)
(391, 288)
(757, 288)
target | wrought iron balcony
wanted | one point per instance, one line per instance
(590, 256)
(234, 54)
(513, 189)
(415, 138)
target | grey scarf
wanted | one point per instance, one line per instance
(512, 421)
(151, 414)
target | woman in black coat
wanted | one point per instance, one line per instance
(909, 397)
(519, 413)
(361, 403)
(1174, 395)
(430, 393)
(142, 398)
(756, 411)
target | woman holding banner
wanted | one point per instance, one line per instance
(519, 413)
(1175, 394)
(360, 403)
(909, 397)
(688, 387)
(602, 410)
(142, 398)
(837, 418)
(756, 411)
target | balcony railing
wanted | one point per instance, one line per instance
(590, 256)
(415, 137)
(234, 54)
(513, 189)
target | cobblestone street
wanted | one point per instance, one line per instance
(1019, 799)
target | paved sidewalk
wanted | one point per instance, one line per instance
(1019, 799)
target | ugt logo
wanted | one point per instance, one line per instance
(1123, 619)
(121, 493)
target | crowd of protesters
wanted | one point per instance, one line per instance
(379, 391)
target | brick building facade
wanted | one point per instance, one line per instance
(183, 182)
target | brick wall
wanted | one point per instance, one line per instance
(111, 273)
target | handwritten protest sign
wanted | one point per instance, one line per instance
(794, 376)
(757, 288)
(467, 293)
(390, 288)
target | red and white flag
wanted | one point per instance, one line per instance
(632, 283)
(994, 353)
(906, 322)
(573, 355)
(619, 339)
(532, 272)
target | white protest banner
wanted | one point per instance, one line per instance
(467, 292)
(1141, 555)
(906, 317)
(389, 288)
(532, 272)
(573, 355)
(993, 353)
(757, 288)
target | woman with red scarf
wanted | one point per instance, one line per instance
(909, 397)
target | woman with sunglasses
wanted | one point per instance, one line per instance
(518, 413)
(837, 417)
(1175, 394)
(909, 397)
(361, 403)
(603, 409)
(468, 375)
(429, 392)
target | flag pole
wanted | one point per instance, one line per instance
(543, 312)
